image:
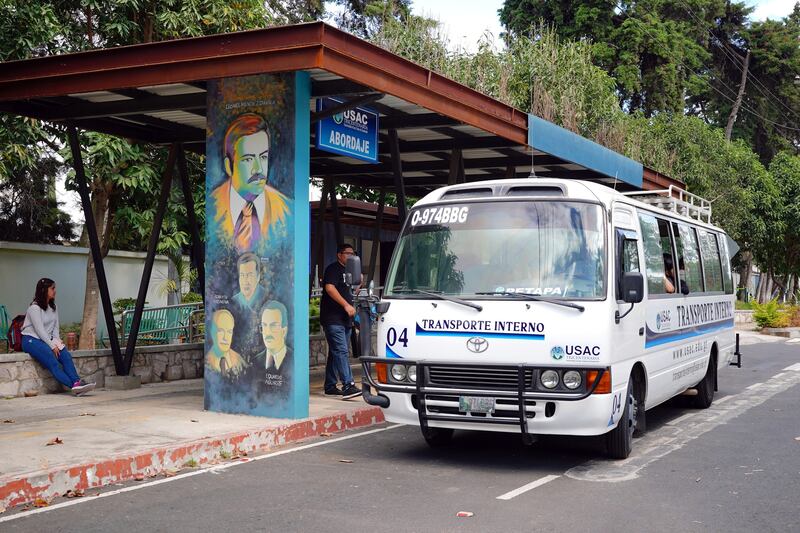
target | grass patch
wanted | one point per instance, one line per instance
(224, 455)
(191, 463)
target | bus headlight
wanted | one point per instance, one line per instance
(549, 379)
(412, 374)
(572, 379)
(399, 372)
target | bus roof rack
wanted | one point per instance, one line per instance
(676, 200)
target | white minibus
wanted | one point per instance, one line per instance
(551, 307)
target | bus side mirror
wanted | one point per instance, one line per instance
(353, 271)
(632, 287)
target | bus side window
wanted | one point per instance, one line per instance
(627, 256)
(727, 278)
(712, 267)
(689, 268)
(657, 249)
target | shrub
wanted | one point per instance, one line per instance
(770, 315)
(191, 297)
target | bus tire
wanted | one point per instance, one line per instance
(639, 388)
(619, 440)
(705, 389)
(437, 437)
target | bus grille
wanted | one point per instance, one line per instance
(492, 378)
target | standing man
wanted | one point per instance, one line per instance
(336, 317)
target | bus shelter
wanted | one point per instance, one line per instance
(263, 106)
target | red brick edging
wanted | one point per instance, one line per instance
(48, 484)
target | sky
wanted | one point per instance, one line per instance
(465, 22)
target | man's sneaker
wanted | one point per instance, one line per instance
(81, 389)
(351, 391)
(333, 392)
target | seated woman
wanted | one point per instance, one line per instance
(40, 339)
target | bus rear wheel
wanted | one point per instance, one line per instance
(705, 389)
(619, 440)
(437, 437)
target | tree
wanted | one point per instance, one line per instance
(656, 50)
(365, 18)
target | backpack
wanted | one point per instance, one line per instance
(14, 335)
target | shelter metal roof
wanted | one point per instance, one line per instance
(156, 93)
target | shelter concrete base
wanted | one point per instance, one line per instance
(123, 382)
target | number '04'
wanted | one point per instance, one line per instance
(392, 338)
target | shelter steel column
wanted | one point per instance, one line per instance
(397, 170)
(94, 245)
(166, 184)
(197, 245)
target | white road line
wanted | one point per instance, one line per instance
(793, 367)
(680, 419)
(755, 386)
(212, 469)
(792, 341)
(779, 375)
(525, 488)
(718, 401)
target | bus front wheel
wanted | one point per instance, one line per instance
(619, 440)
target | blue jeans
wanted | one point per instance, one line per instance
(62, 368)
(337, 367)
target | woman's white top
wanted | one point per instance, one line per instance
(42, 324)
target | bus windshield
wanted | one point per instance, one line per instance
(555, 249)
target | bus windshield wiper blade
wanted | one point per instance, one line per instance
(534, 298)
(440, 296)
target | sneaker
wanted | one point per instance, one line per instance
(351, 391)
(81, 389)
(333, 392)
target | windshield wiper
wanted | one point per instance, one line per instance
(440, 296)
(532, 297)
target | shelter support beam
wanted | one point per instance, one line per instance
(94, 244)
(166, 183)
(456, 166)
(397, 170)
(198, 253)
(337, 223)
(376, 236)
(316, 248)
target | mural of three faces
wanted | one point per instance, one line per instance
(248, 245)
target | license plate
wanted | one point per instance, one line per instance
(475, 404)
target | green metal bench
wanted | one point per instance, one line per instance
(159, 325)
(4, 325)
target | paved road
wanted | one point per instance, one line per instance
(733, 467)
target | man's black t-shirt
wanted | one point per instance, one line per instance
(331, 312)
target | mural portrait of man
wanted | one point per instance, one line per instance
(246, 207)
(276, 357)
(221, 358)
(251, 293)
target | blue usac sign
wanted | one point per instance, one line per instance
(353, 133)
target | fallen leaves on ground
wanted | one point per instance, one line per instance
(170, 473)
(78, 493)
(54, 442)
(2, 509)
(88, 414)
(40, 502)
(8, 421)
(465, 514)
(31, 393)
(138, 477)
(193, 420)
(325, 434)
(345, 460)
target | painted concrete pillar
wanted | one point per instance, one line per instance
(257, 242)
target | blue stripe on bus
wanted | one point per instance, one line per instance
(391, 354)
(687, 333)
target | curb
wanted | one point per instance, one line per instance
(54, 482)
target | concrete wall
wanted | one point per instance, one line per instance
(20, 375)
(21, 266)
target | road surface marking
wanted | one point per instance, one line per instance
(212, 469)
(525, 488)
(793, 367)
(723, 399)
(672, 437)
(680, 419)
(792, 341)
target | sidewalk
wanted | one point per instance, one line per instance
(113, 436)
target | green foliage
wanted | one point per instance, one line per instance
(770, 315)
(72, 327)
(121, 304)
(313, 314)
(191, 297)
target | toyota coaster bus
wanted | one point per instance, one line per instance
(551, 307)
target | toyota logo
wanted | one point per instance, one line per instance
(477, 344)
